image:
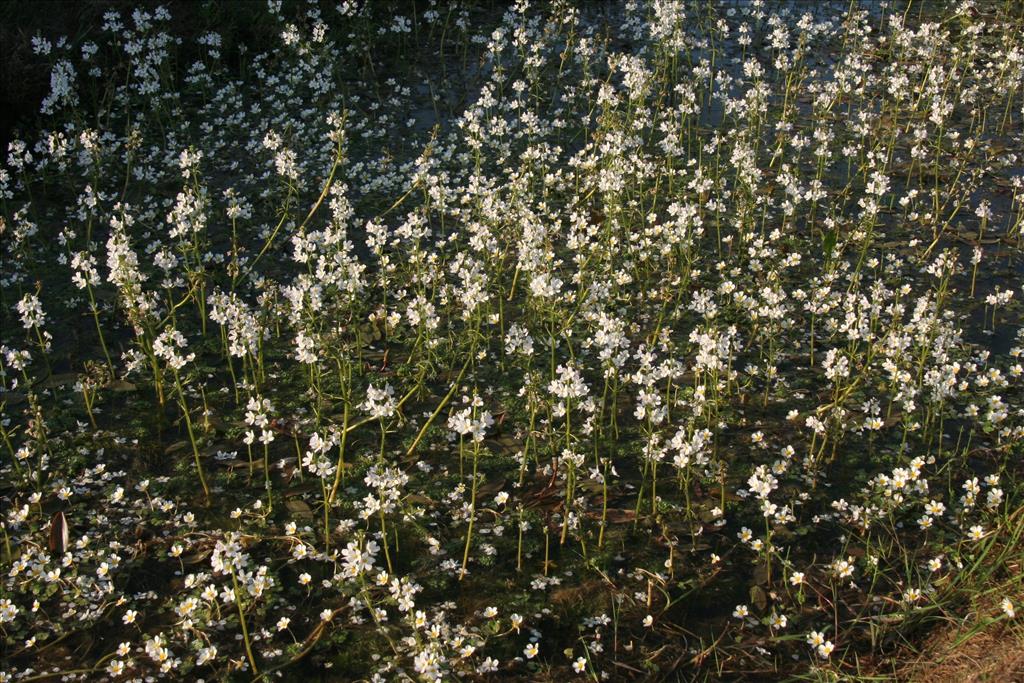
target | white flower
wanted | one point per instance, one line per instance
(531, 650)
(206, 655)
(380, 403)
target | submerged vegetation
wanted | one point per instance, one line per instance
(662, 339)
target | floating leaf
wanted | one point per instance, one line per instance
(197, 557)
(54, 381)
(12, 398)
(176, 447)
(417, 499)
(300, 489)
(615, 516)
(59, 533)
(759, 598)
(490, 487)
(299, 508)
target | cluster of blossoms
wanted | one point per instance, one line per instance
(171, 346)
(666, 305)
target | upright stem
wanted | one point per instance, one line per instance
(191, 435)
(472, 509)
(245, 628)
